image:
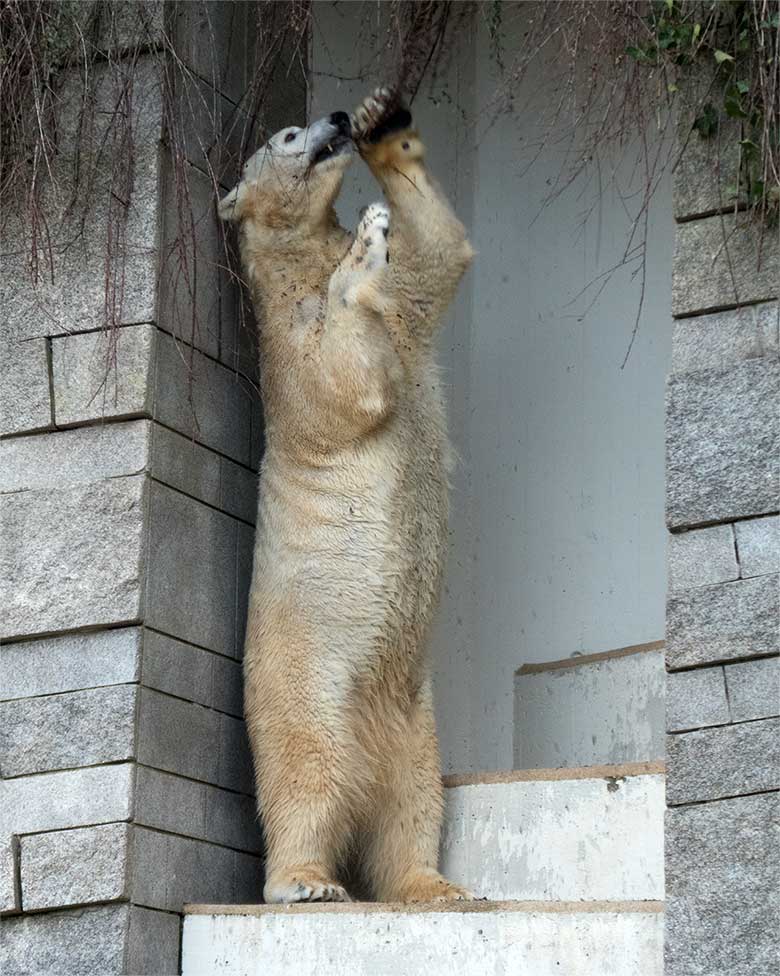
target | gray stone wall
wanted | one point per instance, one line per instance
(127, 494)
(723, 607)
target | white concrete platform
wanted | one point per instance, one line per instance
(594, 708)
(557, 834)
(467, 939)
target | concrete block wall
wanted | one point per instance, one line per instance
(723, 606)
(127, 504)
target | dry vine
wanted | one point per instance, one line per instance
(620, 65)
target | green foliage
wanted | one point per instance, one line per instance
(740, 39)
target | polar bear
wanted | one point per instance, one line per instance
(352, 519)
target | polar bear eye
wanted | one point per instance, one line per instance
(290, 136)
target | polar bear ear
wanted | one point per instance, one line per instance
(227, 209)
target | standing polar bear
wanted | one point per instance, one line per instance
(352, 520)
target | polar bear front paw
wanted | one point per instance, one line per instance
(302, 884)
(379, 115)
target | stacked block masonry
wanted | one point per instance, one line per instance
(723, 635)
(128, 483)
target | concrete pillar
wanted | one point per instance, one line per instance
(128, 481)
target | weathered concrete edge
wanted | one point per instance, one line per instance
(617, 771)
(580, 659)
(452, 907)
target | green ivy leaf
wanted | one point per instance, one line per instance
(742, 87)
(721, 56)
(707, 123)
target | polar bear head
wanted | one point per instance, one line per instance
(292, 181)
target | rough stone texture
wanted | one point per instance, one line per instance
(71, 558)
(191, 598)
(202, 399)
(190, 672)
(695, 699)
(57, 664)
(723, 888)
(701, 556)
(723, 443)
(75, 867)
(705, 168)
(720, 339)
(184, 464)
(64, 731)
(723, 622)
(754, 689)
(153, 942)
(198, 810)
(74, 457)
(9, 894)
(103, 374)
(722, 762)
(24, 392)
(758, 542)
(171, 870)
(75, 798)
(722, 261)
(79, 942)
(72, 296)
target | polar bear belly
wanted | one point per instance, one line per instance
(354, 549)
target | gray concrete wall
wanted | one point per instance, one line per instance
(723, 604)
(127, 508)
(557, 542)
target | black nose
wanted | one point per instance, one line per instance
(342, 123)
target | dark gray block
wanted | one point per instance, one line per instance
(722, 762)
(191, 579)
(202, 399)
(718, 623)
(184, 464)
(723, 888)
(723, 443)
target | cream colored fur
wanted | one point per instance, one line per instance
(352, 522)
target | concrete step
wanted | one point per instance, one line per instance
(557, 834)
(467, 939)
(594, 708)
